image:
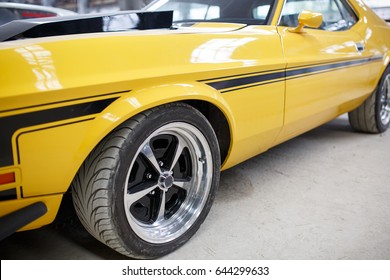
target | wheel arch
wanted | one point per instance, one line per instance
(386, 63)
(203, 98)
(219, 123)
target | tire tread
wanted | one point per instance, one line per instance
(366, 117)
(363, 118)
(90, 198)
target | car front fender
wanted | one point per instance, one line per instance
(138, 100)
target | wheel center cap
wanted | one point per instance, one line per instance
(166, 180)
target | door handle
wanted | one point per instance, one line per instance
(359, 47)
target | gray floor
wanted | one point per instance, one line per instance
(323, 195)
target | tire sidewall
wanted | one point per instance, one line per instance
(381, 126)
(159, 117)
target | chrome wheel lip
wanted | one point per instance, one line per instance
(384, 112)
(198, 189)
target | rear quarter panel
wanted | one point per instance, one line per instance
(376, 37)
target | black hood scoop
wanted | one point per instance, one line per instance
(68, 25)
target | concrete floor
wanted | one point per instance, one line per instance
(323, 195)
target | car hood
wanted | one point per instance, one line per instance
(208, 27)
(102, 23)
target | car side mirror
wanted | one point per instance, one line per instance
(309, 19)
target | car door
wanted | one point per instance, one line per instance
(326, 67)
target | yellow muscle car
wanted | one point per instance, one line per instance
(136, 113)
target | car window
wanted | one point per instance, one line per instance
(242, 11)
(337, 14)
(190, 10)
(261, 12)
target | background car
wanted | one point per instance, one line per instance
(381, 7)
(13, 11)
(137, 113)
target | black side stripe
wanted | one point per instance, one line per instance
(247, 80)
(8, 194)
(239, 82)
(63, 101)
(9, 125)
(294, 73)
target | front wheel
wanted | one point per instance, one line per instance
(149, 185)
(373, 116)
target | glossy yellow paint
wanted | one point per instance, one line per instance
(55, 144)
(239, 69)
(311, 101)
(307, 19)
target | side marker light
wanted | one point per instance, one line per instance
(7, 178)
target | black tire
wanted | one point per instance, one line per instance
(373, 116)
(170, 154)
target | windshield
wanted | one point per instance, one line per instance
(241, 11)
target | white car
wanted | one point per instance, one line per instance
(12, 11)
(381, 7)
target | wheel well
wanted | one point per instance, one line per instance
(218, 121)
